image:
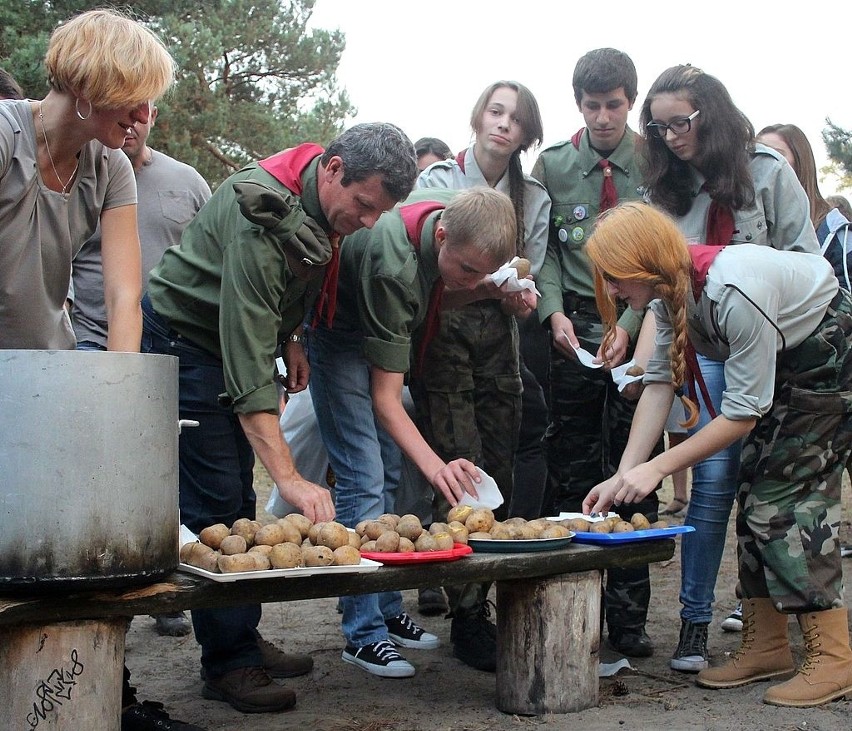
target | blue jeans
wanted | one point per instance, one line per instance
(215, 475)
(365, 460)
(714, 486)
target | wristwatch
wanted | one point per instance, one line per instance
(294, 338)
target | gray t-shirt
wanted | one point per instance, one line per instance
(42, 230)
(170, 194)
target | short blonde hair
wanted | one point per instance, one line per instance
(109, 60)
(483, 218)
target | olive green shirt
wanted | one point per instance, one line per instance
(385, 283)
(229, 289)
(573, 180)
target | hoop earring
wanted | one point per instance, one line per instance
(77, 109)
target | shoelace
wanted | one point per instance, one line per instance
(408, 624)
(749, 633)
(385, 651)
(812, 645)
(695, 642)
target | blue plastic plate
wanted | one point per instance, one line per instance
(633, 536)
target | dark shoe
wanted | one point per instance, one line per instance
(249, 690)
(474, 641)
(431, 602)
(379, 658)
(176, 624)
(150, 716)
(631, 642)
(404, 633)
(691, 653)
(734, 621)
(676, 507)
(280, 664)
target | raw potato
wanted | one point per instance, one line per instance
(244, 527)
(369, 547)
(409, 526)
(286, 556)
(640, 522)
(354, 540)
(522, 266)
(333, 535)
(389, 519)
(405, 546)
(233, 544)
(261, 561)
(318, 556)
(578, 525)
(238, 562)
(602, 526)
(458, 532)
(200, 556)
(459, 513)
(375, 528)
(292, 533)
(313, 533)
(302, 522)
(263, 550)
(388, 542)
(635, 371)
(500, 532)
(346, 556)
(443, 541)
(480, 536)
(622, 526)
(555, 531)
(213, 535)
(659, 524)
(426, 542)
(436, 528)
(269, 535)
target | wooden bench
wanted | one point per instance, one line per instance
(62, 654)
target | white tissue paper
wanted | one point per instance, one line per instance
(489, 493)
(508, 273)
(619, 375)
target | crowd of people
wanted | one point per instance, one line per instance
(693, 246)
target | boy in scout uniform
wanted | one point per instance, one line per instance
(391, 288)
(590, 420)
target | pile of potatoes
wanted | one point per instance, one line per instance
(291, 542)
(481, 525)
(612, 524)
(391, 533)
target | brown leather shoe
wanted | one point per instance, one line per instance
(280, 664)
(249, 690)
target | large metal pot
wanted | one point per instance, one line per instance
(88, 469)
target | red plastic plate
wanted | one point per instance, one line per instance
(457, 551)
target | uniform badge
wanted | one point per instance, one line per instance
(577, 234)
(579, 213)
(563, 235)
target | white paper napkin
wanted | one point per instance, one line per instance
(619, 375)
(489, 493)
(586, 358)
(508, 273)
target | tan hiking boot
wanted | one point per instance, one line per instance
(280, 664)
(826, 673)
(764, 651)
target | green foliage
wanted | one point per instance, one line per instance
(252, 77)
(838, 143)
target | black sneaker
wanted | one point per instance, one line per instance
(431, 602)
(631, 642)
(691, 654)
(150, 716)
(474, 641)
(404, 633)
(379, 658)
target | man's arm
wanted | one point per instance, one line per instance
(264, 434)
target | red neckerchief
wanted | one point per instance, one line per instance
(460, 160)
(720, 224)
(287, 168)
(702, 256)
(609, 195)
(414, 217)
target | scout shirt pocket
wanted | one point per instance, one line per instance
(751, 229)
(177, 206)
(571, 224)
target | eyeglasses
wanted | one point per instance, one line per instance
(679, 126)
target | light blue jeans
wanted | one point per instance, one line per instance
(365, 460)
(714, 486)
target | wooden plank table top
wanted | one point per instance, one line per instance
(180, 591)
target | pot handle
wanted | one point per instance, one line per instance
(183, 423)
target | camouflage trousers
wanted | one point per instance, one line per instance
(468, 404)
(589, 428)
(790, 474)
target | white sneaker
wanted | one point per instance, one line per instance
(734, 621)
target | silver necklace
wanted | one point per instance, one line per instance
(53, 164)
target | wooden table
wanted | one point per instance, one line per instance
(548, 622)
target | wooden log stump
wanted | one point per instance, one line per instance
(548, 633)
(64, 676)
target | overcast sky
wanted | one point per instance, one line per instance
(423, 65)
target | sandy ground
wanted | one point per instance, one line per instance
(446, 695)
